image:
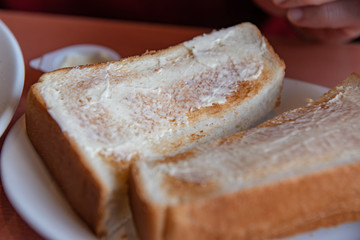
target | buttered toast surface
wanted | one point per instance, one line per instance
(89, 123)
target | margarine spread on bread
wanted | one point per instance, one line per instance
(131, 106)
(103, 117)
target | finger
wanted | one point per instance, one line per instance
(330, 36)
(337, 14)
(300, 3)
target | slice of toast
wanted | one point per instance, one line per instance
(294, 173)
(89, 123)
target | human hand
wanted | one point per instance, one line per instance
(331, 21)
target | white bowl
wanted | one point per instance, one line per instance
(11, 76)
(71, 56)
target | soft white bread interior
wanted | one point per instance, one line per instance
(89, 123)
(294, 173)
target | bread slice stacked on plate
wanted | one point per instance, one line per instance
(294, 173)
(90, 123)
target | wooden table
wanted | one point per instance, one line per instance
(38, 34)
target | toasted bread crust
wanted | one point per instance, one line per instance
(288, 207)
(150, 216)
(64, 162)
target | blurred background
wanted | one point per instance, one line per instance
(203, 13)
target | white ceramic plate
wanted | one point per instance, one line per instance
(34, 195)
(11, 76)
